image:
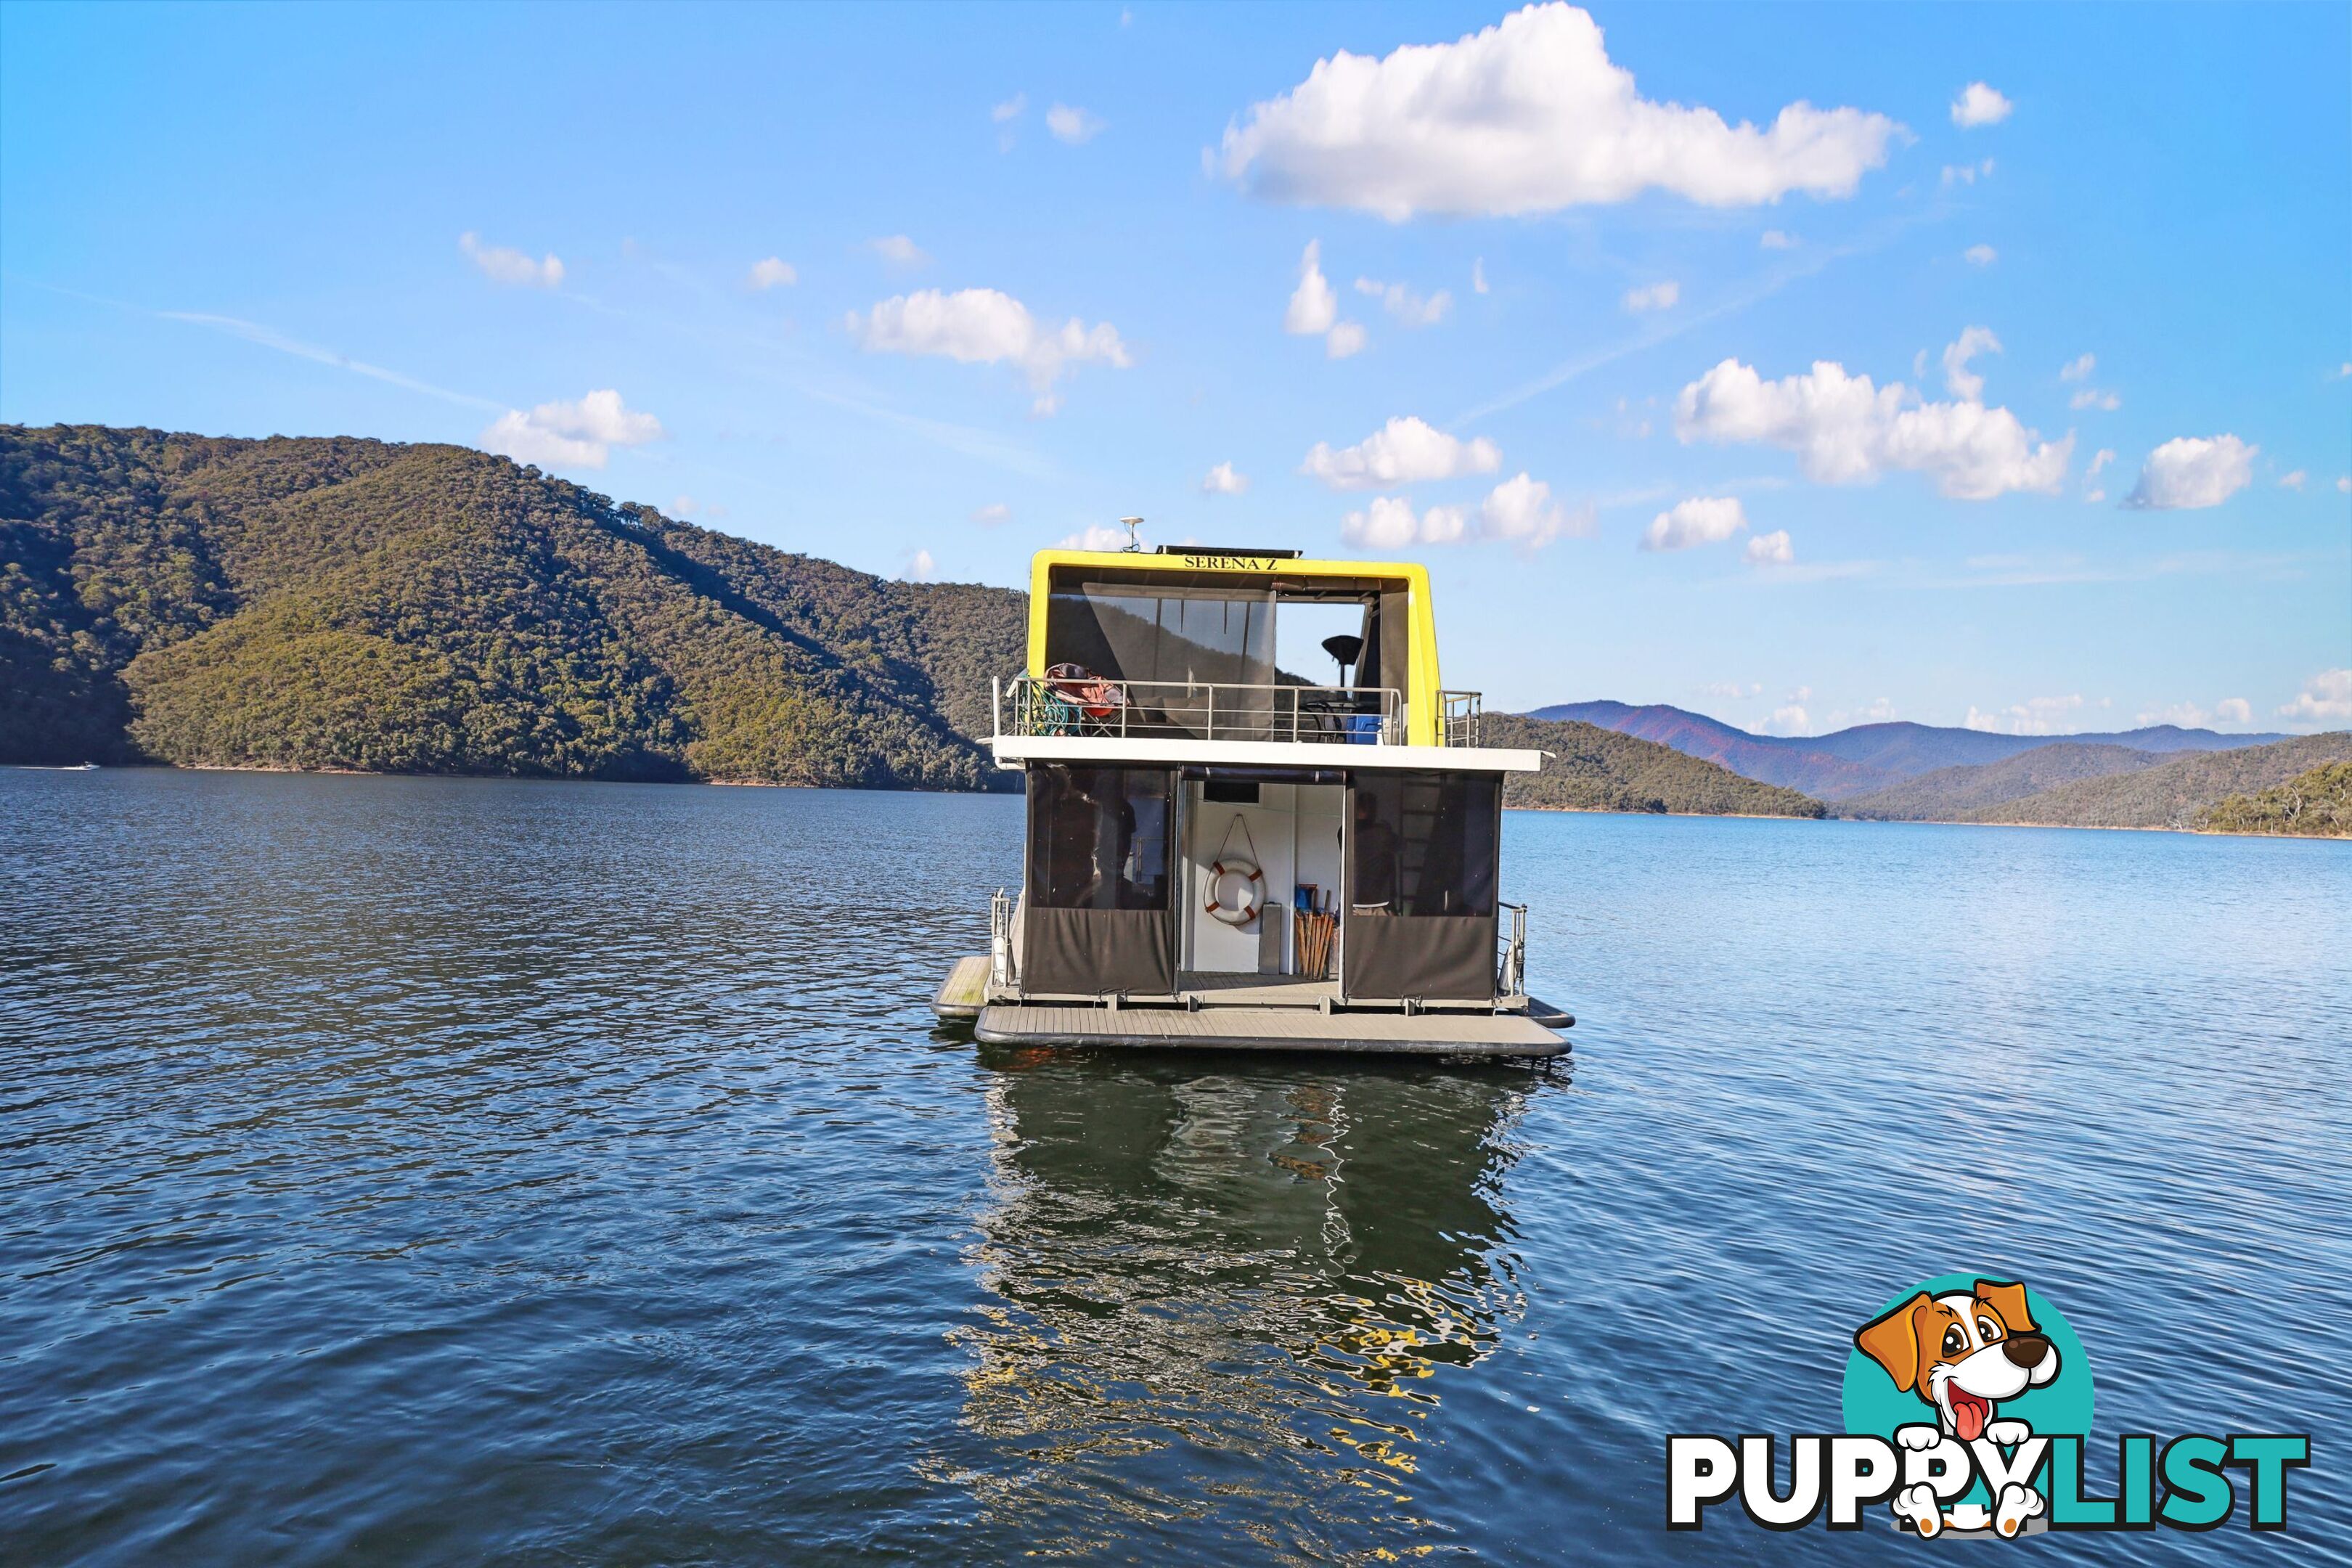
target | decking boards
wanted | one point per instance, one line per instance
(965, 990)
(1270, 1029)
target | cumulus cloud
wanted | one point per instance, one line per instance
(1972, 341)
(1411, 308)
(1967, 174)
(1702, 520)
(992, 515)
(1652, 297)
(1979, 105)
(2078, 368)
(1347, 338)
(2295, 479)
(1527, 116)
(984, 326)
(1010, 110)
(2343, 484)
(2192, 471)
(2326, 697)
(1777, 240)
(920, 568)
(900, 251)
(1980, 256)
(1222, 480)
(2095, 398)
(1771, 548)
(1314, 305)
(1478, 277)
(772, 273)
(1521, 511)
(502, 264)
(1406, 450)
(684, 506)
(1387, 524)
(1071, 125)
(571, 435)
(2034, 716)
(1790, 718)
(2190, 716)
(1844, 430)
(1095, 536)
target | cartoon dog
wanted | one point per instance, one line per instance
(1962, 1354)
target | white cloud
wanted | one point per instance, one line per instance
(1967, 174)
(2189, 715)
(571, 435)
(1399, 301)
(900, 251)
(2099, 459)
(1478, 280)
(2233, 710)
(1444, 525)
(1702, 520)
(984, 326)
(1729, 689)
(1972, 341)
(2079, 369)
(2034, 716)
(1521, 511)
(2343, 484)
(2095, 398)
(1845, 430)
(2192, 471)
(1652, 297)
(1010, 110)
(1072, 125)
(684, 506)
(1314, 306)
(1095, 536)
(2295, 480)
(1980, 256)
(772, 273)
(1788, 720)
(1345, 339)
(1771, 548)
(1777, 240)
(502, 264)
(2344, 371)
(992, 515)
(1979, 105)
(1527, 116)
(920, 568)
(1404, 451)
(1222, 480)
(2326, 695)
(1387, 524)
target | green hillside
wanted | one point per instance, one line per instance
(2176, 792)
(1945, 794)
(349, 603)
(2317, 803)
(1592, 769)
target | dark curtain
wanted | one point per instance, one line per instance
(1098, 917)
(1421, 861)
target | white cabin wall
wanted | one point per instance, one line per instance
(1215, 947)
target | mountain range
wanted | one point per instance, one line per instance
(1867, 758)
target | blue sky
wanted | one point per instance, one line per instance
(1033, 269)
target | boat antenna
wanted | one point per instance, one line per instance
(1134, 545)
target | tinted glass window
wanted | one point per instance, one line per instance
(1424, 844)
(1098, 837)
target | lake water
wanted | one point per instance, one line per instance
(431, 1171)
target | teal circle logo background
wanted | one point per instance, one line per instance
(2060, 1407)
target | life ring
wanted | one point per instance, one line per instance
(1248, 891)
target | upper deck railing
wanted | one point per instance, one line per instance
(1087, 705)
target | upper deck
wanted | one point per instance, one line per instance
(1238, 658)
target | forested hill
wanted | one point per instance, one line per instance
(336, 603)
(1588, 768)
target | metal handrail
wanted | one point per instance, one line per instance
(1460, 714)
(1511, 953)
(1003, 973)
(1333, 715)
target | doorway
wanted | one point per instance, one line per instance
(1292, 834)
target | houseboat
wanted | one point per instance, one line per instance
(1256, 819)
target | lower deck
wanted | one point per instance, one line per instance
(1237, 1012)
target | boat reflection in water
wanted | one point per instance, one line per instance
(1215, 1285)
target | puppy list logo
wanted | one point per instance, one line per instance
(1967, 1405)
